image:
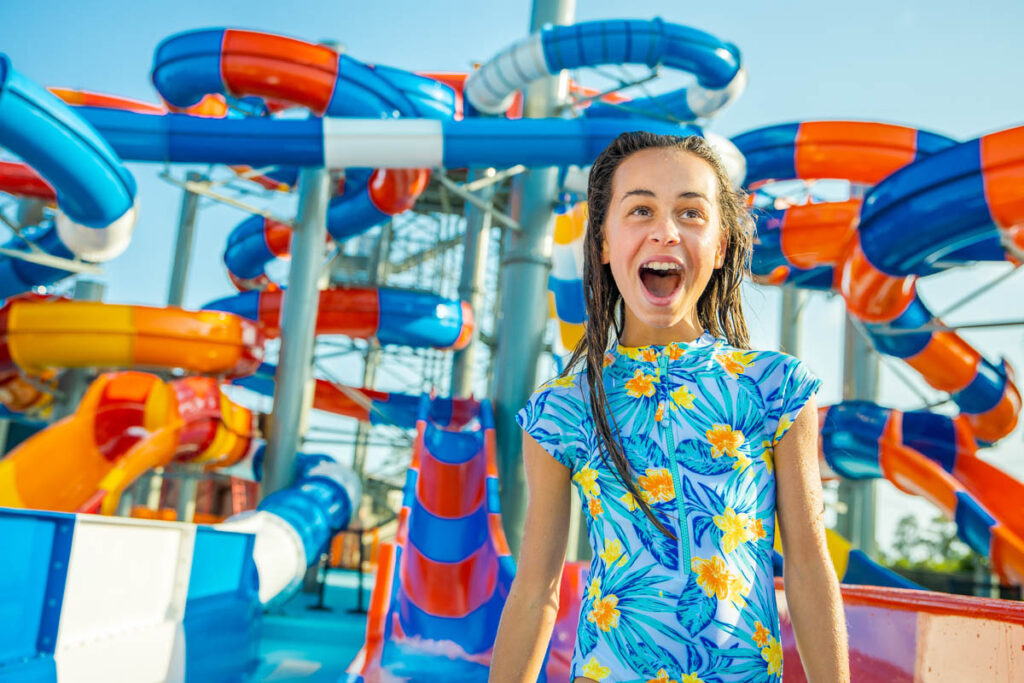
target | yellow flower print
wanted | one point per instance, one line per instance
(649, 355)
(612, 551)
(712, 576)
(683, 396)
(593, 669)
(564, 382)
(761, 634)
(734, 526)
(715, 578)
(657, 484)
(629, 500)
(773, 655)
(784, 424)
(735, 362)
(660, 414)
(587, 480)
(724, 439)
(604, 613)
(595, 589)
(737, 589)
(674, 351)
(767, 455)
(595, 507)
(757, 529)
(742, 463)
(692, 678)
(641, 385)
(662, 677)
(630, 352)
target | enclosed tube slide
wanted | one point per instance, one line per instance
(716, 64)
(934, 456)
(368, 405)
(824, 245)
(367, 200)
(191, 65)
(393, 316)
(95, 193)
(36, 336)
(844, 239)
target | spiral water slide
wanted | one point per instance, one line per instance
(932, 204)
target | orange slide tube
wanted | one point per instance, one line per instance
(127, 423)
(36, 336)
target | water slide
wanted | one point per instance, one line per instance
(95, 193)
(126, 424)
(91, 597)
(420, 143)
(907, 226)
(442, 583)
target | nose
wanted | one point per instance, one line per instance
(665, 231)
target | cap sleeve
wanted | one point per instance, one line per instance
(788, 386)
(552, 416)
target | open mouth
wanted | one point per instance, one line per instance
(661, 279)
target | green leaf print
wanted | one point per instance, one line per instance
(695, 608)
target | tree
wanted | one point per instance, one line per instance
(935, 547)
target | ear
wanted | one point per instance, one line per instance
(723, 247)
(606, 255)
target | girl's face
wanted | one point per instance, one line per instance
(663, 239)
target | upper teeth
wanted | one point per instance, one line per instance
(661, 265)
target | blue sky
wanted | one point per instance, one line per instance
(944, 66)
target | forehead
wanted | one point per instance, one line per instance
(664, 170)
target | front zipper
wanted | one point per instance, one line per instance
(666, 421)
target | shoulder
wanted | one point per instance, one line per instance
(752, 365)
(561, 396)
(554, 415)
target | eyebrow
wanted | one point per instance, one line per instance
(692, 194)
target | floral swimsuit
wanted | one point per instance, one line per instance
(698, 421)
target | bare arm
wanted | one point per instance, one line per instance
(532, 605)
(812, 589)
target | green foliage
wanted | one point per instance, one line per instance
(934, 547)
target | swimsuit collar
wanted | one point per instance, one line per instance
(653, 352)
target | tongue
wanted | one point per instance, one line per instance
(659, 284)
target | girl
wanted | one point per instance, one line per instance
(682, 443)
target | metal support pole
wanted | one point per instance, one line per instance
(793, 300)
(293, 380)
(526, 262)
(371, 359)
(72, 383)
(183, 247)
(860, 382)
(188, 486)
(30, 212)
(471, 283)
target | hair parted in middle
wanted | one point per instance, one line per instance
(719, 308)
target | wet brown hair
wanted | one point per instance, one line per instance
(719, 308)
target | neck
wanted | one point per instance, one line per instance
(637, 333)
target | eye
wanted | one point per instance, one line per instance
(640, 211)
(695, 214)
